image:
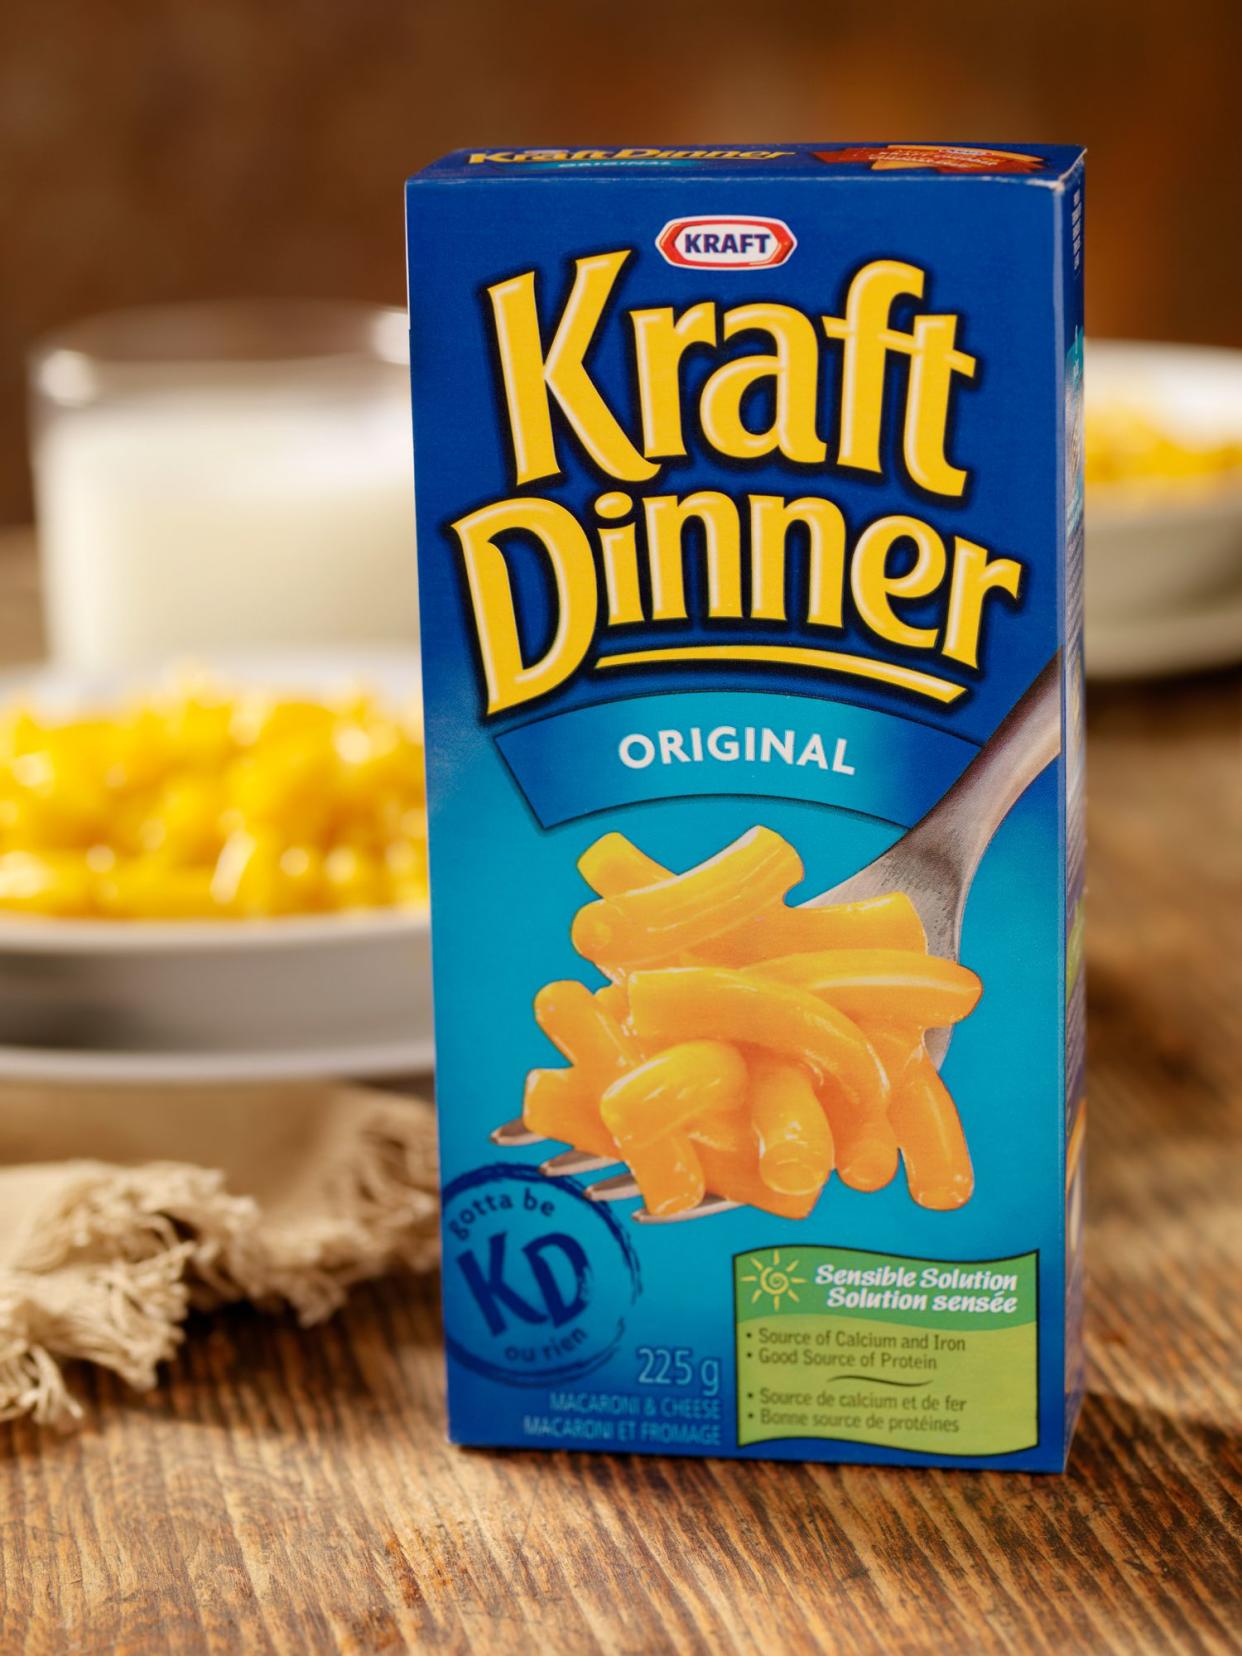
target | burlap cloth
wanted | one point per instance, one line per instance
(120, 1211)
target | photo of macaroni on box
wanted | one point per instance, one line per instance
(746, 1050)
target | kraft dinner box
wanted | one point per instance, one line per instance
(749, 503)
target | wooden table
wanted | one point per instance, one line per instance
(292, 1492)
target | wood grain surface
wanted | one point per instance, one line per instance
(292, 1492)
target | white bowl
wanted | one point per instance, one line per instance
(1152, 550)
(217, 1001)
(294, 997)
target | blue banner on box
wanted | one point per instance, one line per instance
(779, 746)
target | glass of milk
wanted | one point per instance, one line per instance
(219, 476)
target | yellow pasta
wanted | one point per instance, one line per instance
(1132, 449)
(748, 1049)
(889, 922)
(613, 865)
(736, 1177)
(669, 1090)
(883, 983)
(896, 1047)
(650, 923)
(585, 1031)
(45, 882)
(669, 1174)
(729, 1130)
(614, 1000)
(792, 1132)
(701, 1001)
(933, 1147)
(198, 802)
(866, 1146)
(559, 1105)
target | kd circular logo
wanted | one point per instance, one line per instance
(538, 1280)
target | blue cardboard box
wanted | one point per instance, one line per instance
(750, 534)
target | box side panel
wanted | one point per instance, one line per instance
(1072, 225)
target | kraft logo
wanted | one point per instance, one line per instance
(726, 242)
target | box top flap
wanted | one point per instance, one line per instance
(1040, 164)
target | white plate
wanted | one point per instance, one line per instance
(1153, 549)
(168, 1001)
(144, 1069)
(1130, 647)
(40, 935)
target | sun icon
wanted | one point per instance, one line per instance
(774, 1279)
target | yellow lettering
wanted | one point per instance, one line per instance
(511, 680)
(863, 329)
(934, 360)
(529, 376)
(868, 342)
(771, 518)
(666, 517)
(793, 369)
(620, 553)
(975, 574)
(874, 588)
(660, 342)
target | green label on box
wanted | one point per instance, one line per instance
(914, 1354)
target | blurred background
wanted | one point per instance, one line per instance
(163, 150)
(223, 461)
(164, 841)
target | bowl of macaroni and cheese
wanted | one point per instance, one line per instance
(1163, 451)
(214, 870)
